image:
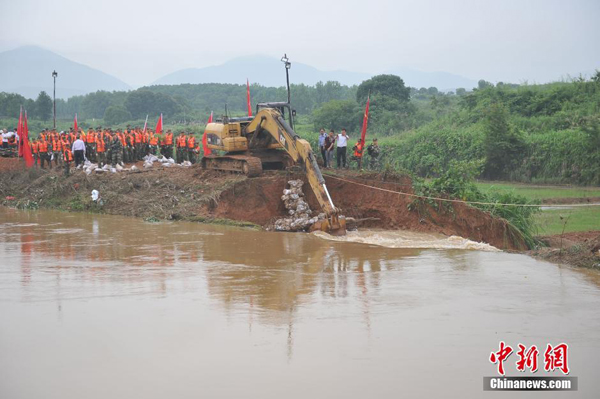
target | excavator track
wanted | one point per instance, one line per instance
(243, 164)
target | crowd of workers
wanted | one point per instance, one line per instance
(108, 147)
(330, 142)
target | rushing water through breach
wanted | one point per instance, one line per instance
(111, 307)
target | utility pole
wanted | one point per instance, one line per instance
(54, 75)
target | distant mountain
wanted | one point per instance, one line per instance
(28, 70)
(444, 81)
(269, 72)
(264, 70)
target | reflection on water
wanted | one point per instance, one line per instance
(186, 310)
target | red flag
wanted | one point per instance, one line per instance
(159, 125)
(248, 97)
(20, 132)
(363, 131)
(75, 127)
(26, 148)
(205, 148)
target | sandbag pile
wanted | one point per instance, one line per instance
(298, 209)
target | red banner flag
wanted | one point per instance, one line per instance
(363, 131)
(159, 125)
(248, 97)
(205, 148)
(20, 132)
(26, 148)
(75, 127)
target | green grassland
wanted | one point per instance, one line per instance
(575, 219)
(541, 192)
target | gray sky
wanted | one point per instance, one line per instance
(138, 41)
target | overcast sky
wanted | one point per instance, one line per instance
(138, 41)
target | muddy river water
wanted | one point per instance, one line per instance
(111, 307)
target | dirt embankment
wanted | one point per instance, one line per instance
(259, 200)
(577, 248)
(193, 194)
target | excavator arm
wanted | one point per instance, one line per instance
(270, 121)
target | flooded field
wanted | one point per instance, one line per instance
(112, 307)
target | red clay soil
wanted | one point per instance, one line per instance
(258, 200)
(11, 164)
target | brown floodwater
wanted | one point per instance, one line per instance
(111, 307)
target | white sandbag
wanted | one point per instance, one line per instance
(119, 167)
(133, 168)
(113, 170)
(171, 160)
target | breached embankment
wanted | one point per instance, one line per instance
(206, 196)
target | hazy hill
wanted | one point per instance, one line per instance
(28, 70)
(269, 71)
(263, 70)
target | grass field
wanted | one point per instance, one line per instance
(552, 221)
(535, 192)
(576, 219)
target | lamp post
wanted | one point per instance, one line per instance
(54, 75)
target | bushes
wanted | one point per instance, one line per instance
(458, 182)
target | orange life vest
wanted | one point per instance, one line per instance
(100, 146)
(68, 155)
(34, 147)
(169, 139)
(56, 145)
(43, 146)
(191, 142)
(358, 149)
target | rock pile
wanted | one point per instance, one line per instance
(298, 210)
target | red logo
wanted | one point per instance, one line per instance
(555, 358)
(500, 356)
(528, 358)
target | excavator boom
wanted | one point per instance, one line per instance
(269, 121)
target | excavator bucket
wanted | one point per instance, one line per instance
(334, 225)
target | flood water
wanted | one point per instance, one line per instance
(112, 307)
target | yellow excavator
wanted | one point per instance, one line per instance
(268, 141)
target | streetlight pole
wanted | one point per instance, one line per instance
(54, 75)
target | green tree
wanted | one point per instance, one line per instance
(116, 114)
(338, 114)
(43, 106)
(383, 86)
(94, 104)
(460, 91)
(503, 146)
(10, 104)
(483, 84)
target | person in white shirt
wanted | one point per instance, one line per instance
(342, 144)
(4, 139)
(78, 151)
